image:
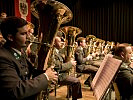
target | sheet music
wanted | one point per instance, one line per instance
(99, 70)
(105, 75)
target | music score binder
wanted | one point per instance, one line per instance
(105, 75)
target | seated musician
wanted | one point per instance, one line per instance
(63, 68)
(16, 81)
(81, 58)
(124, 77)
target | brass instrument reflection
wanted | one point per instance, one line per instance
(97, 47)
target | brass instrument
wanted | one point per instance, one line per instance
(112, 45)
(51, 15)
(103, 45)
(99, 46)
(107, 47)
(70, 34)
(90, 43)
(95, 44)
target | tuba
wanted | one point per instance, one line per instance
(70, 34)
(90, 39)
(51, 14)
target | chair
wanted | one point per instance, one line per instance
(117, 93)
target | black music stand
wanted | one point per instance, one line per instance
(105, 76)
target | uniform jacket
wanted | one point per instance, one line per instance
(124, 82)
(83, 63)
(15, 77)
(80, 57)
(60, 66)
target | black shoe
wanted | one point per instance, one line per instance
(70, 94)
(87, 83)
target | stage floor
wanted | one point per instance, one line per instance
(62, 91)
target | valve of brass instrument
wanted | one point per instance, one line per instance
(60, 13)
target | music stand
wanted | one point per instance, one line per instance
(104, 76)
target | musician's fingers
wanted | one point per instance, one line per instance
(54, 82)
(55, 79)
(52, 67)
(55, 75)
(75, 62)
(43, 1)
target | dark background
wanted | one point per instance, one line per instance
(110, 20)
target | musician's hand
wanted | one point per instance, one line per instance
(89, 57)
(28, 50)
(73, 62)
(52, 75)
(131, 65)
(43, 1)
(93, 55)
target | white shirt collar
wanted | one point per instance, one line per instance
(17, 51)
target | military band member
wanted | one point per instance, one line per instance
(124, 77)
(82, 59)
(63, 68)
(16, 81)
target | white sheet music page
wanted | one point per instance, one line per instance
(105, 75)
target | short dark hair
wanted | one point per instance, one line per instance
(3, 13)
(80, 39)
(11, 24)
(119, 49)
